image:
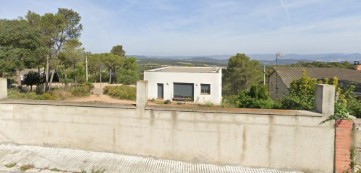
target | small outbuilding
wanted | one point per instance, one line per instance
(201, 85)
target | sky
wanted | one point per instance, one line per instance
(209, 27)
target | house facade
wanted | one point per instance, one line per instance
(280, 80)
(201, 85)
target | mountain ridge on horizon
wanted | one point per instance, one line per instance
(269, 57)
(263, 58)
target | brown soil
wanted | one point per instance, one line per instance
(100, 98)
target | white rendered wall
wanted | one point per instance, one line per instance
(168, 78)
(287, 140)
(3, 88)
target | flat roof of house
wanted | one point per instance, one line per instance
(177, 69)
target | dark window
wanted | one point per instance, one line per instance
(205, 88)
(183, 91)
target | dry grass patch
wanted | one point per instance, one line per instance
(26, 167)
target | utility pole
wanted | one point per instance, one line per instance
(100, 76)
(46, 73)
(264, 75)
(278, 54)
(86, 67)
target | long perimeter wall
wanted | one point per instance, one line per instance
(290, 140)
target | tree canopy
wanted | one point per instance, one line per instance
(118, 69)
(301, 93)
(57, 29)
(241, 73)
(20, 45)
(118, 50)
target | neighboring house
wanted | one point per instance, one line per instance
(196, 84)
(280, 80)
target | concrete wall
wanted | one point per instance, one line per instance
(168, 78)
(325, 99)
(290, 140)
(3, 88)
(357, 144)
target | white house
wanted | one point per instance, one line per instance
(197, 84)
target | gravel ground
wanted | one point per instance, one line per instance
(13, 158)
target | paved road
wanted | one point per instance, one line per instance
(69, 160)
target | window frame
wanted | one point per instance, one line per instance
(209, 89)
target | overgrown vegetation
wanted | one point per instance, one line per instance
(82, 90)
(121, 92)
(55, 170)
(50, 43)
(113, 68)
(10, 165)
(256, 97)
(94, 170)
(241, 74)
(17, 94)
(320, 64)
(33, 78)
(26, 167)
(301, 94)
(54, 94)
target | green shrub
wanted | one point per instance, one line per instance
(26, 167)
(39, 89)
(62, 94)
(301, 94)
(33, 78)
(16, 94)
(45, 96)
(82, 90)
(298, 102)
(10, 82)
(245, 100)
(355, 108)
(256, 97)
(229, 101)
(10, 165)
(55, 170)
(341, 111)
(96, 170)
(121, 92)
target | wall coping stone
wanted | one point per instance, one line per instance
(65, 103)
(183, 108)
(180, 108)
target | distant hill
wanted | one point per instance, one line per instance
(329, 57)
(267, 59)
